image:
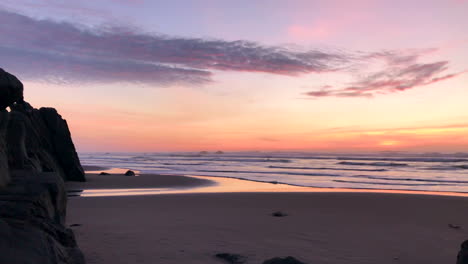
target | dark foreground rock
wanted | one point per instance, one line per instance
(40, 139)
(36, 157)
(32, 218)
(462, 257)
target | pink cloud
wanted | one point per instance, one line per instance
(45, 49)
(401, 77)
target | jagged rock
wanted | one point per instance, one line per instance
(286, 260)
(462, 257)
(11, 89)
(130, 173)
(219, 152)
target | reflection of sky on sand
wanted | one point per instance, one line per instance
(230, 185)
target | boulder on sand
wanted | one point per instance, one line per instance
(130, 173)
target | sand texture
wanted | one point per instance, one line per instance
(319, 228)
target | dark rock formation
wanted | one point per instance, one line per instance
(104, 173)
(64, 149)
(130, 173)
(32, 217)
(462, 257)
(11, 89)
(36, 156)
(286, 260)
(48, 142)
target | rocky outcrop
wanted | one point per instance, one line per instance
(11, 89)
(48, 142)
(36, 156)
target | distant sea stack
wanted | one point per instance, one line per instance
(37, 155)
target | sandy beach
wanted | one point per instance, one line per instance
(319, 227)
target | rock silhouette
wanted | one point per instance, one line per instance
(11, 89)
(462, 257)
(36, 156)
(40, 139)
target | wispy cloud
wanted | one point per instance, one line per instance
(75, 53)
(400, 72)
(51, 50)
(60, 68)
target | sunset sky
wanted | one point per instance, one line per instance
(190, 75)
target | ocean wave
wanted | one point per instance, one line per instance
(394, 184)
(408, 179)
(405, 159)
(323, 168)
(244, 160)
(384, 164)
(183, 164)
(270, 172)
(448, 168)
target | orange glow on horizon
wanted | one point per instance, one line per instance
(389, 143)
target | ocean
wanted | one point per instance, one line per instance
(384, 170)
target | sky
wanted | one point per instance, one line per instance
(192, 75)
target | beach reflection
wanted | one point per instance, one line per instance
(231, 185)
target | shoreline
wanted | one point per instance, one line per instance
(315, 227)
(221, 184)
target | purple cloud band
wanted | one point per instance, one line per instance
(48, 50)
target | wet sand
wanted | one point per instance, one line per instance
(319, 227)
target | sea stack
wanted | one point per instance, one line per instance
(37, 155)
